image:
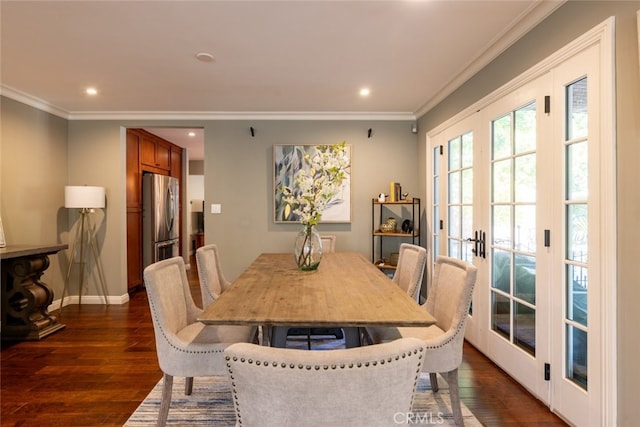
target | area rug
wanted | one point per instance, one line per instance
(210, 404)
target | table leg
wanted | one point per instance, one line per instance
(351, 337)
(266, 334)
(25, 299)
(279, 336)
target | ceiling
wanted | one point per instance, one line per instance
(288, 59)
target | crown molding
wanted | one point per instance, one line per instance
(241, 115)
(531, 17)
(33, 101)
(42, 105)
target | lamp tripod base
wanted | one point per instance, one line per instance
(84, 236)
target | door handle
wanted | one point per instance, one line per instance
(478, 243)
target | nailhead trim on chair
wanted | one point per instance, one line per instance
(155, 315)
(301, 366)
(458, 329)
(366, 364)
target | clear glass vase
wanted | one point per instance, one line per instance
(308, 248)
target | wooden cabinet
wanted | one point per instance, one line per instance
(155, 152)
(146, 153)
(385, 243)
(175, 162)
(134, 211)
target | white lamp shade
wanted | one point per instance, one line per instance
(83, 197)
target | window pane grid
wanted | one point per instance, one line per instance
(436, 199)
(576, 238)
(513, 226)
(460, 196)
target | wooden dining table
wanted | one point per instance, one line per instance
(346, 291)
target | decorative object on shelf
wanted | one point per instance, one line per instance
(407, 226)
(306, 178)
(389, 226)
(395, 192)
(308, 248)
(382, 197)
(405, 196)
(393, 258)
(385, 228)
(313, 190)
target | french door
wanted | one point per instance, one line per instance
(518, 191)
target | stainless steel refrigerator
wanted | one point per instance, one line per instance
(160, 214)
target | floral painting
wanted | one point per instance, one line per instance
(292, 161)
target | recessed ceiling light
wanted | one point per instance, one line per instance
(192, 134)
(364, 91)
(204, 57)
(91, 91)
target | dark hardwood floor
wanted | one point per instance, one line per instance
(97, 370)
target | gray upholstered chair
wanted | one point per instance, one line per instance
(448, 301)
(410, 270)
(364, 386)
(328, 243)
(212, 280)
(184, 346)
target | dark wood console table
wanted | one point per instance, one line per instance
(25, 298)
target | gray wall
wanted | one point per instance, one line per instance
(196, 167)
(567, 23)
(239, 176)
(238, 170)
(33, 173)
(97, 157)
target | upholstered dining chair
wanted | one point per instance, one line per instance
(328, 243)
(448, 301)
(184, 346)
(212, 280)
(363, 386)
(410, 269)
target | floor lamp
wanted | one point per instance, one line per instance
(86, 199)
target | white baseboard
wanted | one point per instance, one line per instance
(89, 299)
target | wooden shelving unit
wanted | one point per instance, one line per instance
(397, 210)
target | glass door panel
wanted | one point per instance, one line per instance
(460, 196)
(513, 227)
(435, 201)
(577, 235)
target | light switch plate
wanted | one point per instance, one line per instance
(216, 208)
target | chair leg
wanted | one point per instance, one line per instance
(454, 392)
(266, 335)
(167, 386)
(433, 379)
(279, 336)
(188, 386)
(365, 339)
